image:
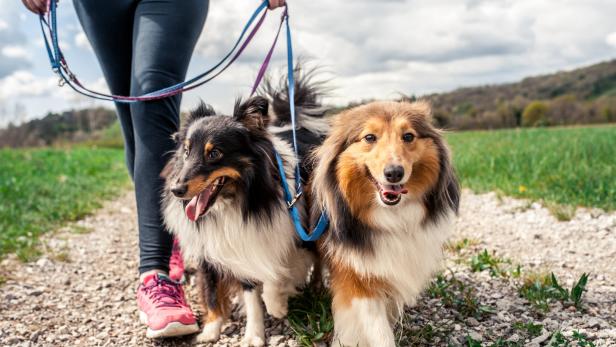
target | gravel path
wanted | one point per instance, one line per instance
(82, 291)
(529, 234)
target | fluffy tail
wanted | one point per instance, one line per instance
(309, 109)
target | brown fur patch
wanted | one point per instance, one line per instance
(347, 285)
(208, 147)
(199, 183)
(425, 169)
(225, 289)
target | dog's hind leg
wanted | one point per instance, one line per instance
(255, 325)
(214, 292)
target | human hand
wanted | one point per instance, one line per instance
(40, 6)
(272, 3)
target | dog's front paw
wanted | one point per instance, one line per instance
(276, 303)
(210, 332)
(250, 340)
(277, 308)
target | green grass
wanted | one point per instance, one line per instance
(458, 295)
(40, 189)
(570, 166)
(541, 289)
(310, 317)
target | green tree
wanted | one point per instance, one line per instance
(534, 114)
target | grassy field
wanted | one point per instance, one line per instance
(571, 166)
(42, 188)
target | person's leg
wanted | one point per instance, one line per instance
(164, 35)
(109, 28)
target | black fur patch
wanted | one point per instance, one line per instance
(208, 278)
(308, 94)
(445, 195)
(346, 230)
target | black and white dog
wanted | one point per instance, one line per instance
(224, 202)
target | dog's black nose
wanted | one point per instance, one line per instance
(179, 190)
(394, 173)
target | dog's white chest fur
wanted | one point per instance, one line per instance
(249, 249)
(406, 253)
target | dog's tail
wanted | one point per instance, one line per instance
(309, 110)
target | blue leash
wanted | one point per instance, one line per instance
(60, 66)
(291, 200)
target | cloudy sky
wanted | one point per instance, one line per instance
(371, 48)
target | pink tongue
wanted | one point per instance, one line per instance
(197, 205)
(395, 189)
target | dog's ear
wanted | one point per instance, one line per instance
(168, 169)
(203, 110)
(421, 108)
(252, 112)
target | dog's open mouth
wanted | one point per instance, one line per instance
(202, 202)
(390, 194)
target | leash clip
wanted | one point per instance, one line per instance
(290, 204)
(61, 81)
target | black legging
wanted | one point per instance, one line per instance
(142, 46)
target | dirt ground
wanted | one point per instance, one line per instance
(82, 291)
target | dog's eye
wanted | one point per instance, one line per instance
(370, 138)
(186, 153)
(408, 137)
(214, 154)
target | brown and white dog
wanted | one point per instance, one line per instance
(224, 201)
(384, 176)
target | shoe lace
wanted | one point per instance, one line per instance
(164, 293)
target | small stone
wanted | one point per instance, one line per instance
(514, 338)
(541, 338)
(476, 336)
(275, 339)
(35, 335)
(471, 321)
(593, 323)
(35, 292)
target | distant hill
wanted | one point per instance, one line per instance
(581, 96)
(584, 95)
(54, 128)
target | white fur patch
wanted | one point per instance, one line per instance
(406, 253)
(364, 323)
(210, 331)
(255, 328)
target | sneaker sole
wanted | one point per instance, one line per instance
(170, 330)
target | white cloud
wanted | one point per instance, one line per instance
(610, 39)
(375, 49)
(379, 48)
(23, 83)
(13, 51)
(81, 41)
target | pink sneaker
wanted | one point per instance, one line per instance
(176, 264)
(163, 308)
